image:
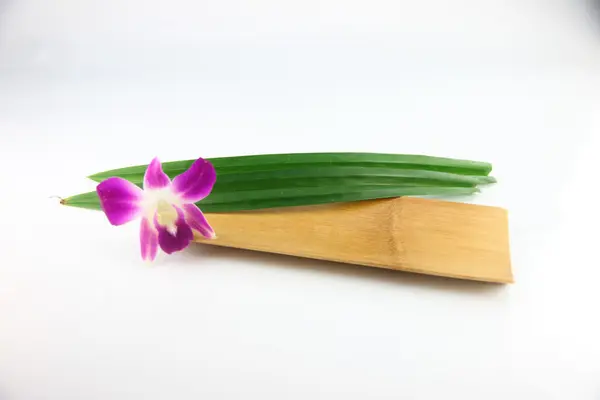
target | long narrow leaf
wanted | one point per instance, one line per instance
(337, 175)
(342, 176)
(369, 194)
(293, 192)
(257, 199)
(267, 162)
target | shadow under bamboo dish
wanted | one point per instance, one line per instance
(426, 236)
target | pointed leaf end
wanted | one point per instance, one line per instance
(97, 177)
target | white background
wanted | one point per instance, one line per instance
(89, 85)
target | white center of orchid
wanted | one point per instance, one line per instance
(166, 215)
(161, 203)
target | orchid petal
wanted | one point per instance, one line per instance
(120, 200)
(197, 221)
(172, 241)
(148, 240)
(196, 183)
(155, 178)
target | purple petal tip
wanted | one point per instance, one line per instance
(197, 182)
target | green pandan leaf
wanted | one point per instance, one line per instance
(336, 175)
(287, 197)
(284, 180)
(267, 162)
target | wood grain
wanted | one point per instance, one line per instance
(425, 236)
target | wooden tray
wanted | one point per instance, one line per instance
(425, 236)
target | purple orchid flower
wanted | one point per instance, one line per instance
(169, 215)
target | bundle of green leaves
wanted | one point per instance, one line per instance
(284, 180)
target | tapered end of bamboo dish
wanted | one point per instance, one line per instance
(425, 236)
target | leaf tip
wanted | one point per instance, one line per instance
(96, 177)
(61, 201)
(65, 201)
